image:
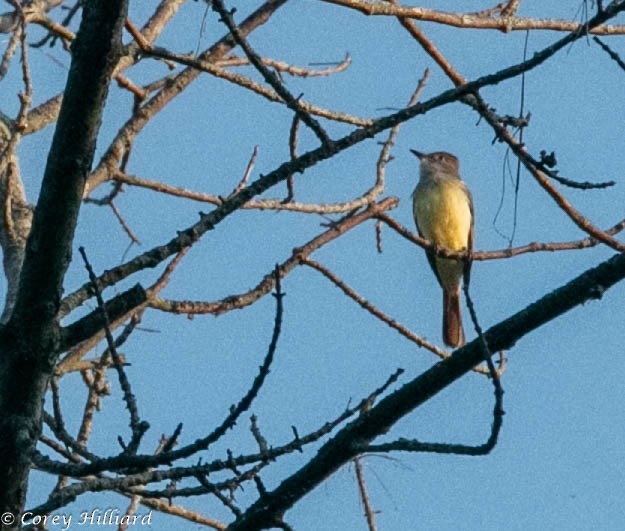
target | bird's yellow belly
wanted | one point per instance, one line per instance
(444, 217)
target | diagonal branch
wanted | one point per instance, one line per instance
(534, 169)
(292, 70)
(298, 256)
(355, 437)
(613, 55)
(258, 382)
(364, 496)
(93, 322)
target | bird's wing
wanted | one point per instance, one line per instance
(469, 260)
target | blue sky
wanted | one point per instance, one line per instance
(559, 461)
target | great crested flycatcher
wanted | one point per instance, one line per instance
(443, 212)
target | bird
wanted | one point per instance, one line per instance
(443, 213)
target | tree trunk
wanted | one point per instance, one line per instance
(29, 342)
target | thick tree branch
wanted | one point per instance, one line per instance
(48, 250)
(355, 437)
(92, 323)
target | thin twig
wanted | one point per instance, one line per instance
(258, 382)
(498, 411)
(538, 172)
(376, 312)
(243, 81)
(71, 12)
(258, 204)
(137, 426)
(508, 252)
(263, 447)
(287, 68)
(124, 225)
(62, 435)
(10, 51)
(227, 502)
(413, 445)
(613, 55)
(248, 171)
(378, 236)
(167, 507)
(130, 510)
(373, 310)
(364, 497)
(385, 153)
(99, 387)
(293, 137)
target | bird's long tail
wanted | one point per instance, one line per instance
(453, 335)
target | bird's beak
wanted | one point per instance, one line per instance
(418, 154)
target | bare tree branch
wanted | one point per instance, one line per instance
(355, 437)
(268, 282)
(507, 22)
